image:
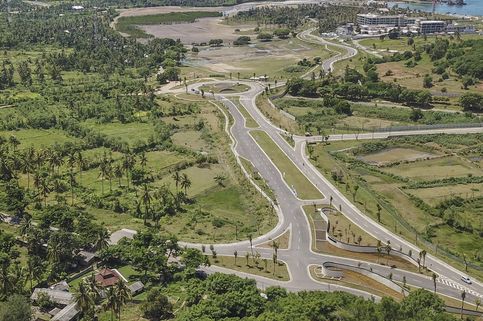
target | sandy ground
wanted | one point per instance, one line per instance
(202, 30)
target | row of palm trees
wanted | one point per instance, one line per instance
(166, 201)
(88, 298)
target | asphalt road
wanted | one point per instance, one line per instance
(299, 256)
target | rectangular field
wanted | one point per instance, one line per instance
(435, 169)
(395, 154)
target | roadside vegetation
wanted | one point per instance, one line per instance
(429, 186)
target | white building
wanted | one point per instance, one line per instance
(375, 19)
(431, 26)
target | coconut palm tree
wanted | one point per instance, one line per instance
(123, 295)
(84, 299)
(143, 159)
(388, 250)
(72, 183)
(117, 171)
(102, 239)
(111, 303)
(146, 200)
(185, 183)
(128, 164)
(463, 297)
(177, 179)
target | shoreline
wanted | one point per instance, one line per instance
(428, 8)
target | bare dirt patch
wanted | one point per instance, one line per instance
(200, 31)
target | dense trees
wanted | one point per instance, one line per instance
(329, 16)
(223, 297)
(16, 308)
(356, 87)
(472, 102)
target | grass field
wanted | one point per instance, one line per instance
(131, 133)
(436, 195)
(294, 178)
(396, 155)
(376, 187)
(435, 168)
(254, 266)
(39, 138)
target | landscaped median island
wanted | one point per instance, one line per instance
(303, 188)
(432, 189)
(249, 121)
(353, 241)
(253, 264)
(356, 280)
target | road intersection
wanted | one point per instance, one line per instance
(299, 256)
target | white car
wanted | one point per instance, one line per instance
(466, 279)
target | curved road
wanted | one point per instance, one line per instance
(300, 256)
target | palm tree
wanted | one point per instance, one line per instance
(44, 189)
(118, 173)
(143, 160)
(72, 183)
(128, 164)
(275, 247)
(27, 165)
(102, 239)
(81, 162)
(146, 200)
(123, 295)
(177, 179)
(463, 297)
(423, 255)
(185, 183)
(388, 250)
(83, 299)
(26, 224)
(102, 174)
(274, 259)
(111, 303)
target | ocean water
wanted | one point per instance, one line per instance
(472, 7)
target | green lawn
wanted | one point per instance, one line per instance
(131, 133)
(294, 178)
(39, 138)
(435, 169)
